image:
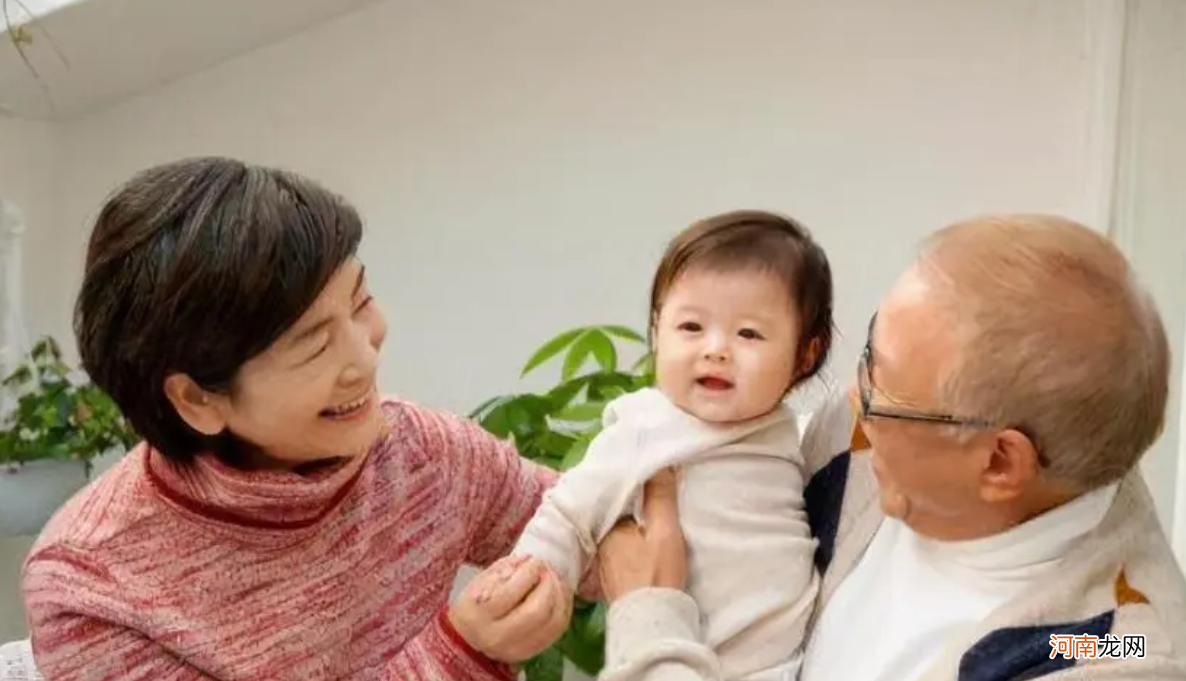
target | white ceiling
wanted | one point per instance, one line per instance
(117, 48)
(19, 12)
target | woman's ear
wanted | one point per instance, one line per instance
(195, 405)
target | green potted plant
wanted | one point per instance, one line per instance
(57, 425)
(554, 428)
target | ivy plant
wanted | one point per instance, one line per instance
(554, 428)
(58, 414)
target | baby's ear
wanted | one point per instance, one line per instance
(808, 357)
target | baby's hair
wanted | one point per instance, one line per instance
(764, 241)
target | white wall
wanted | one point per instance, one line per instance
(29, 164)
(521, 163)
(1151, 212)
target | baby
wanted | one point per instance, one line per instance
(741, 312)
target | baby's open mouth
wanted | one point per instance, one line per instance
(714, 383)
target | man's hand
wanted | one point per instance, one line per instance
(632, 557)
(513, 610)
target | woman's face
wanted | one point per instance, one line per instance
(312, 394)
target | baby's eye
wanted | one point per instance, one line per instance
(692, 327)
(749, 334)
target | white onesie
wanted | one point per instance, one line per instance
(750, 550)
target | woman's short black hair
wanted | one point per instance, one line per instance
(195, 267)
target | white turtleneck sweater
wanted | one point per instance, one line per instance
(890, 618)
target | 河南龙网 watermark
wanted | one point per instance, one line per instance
(1089, 646)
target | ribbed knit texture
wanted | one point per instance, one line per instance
(163, 571)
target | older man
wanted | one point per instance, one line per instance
(1011, 381)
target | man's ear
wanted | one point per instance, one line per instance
(196, 406)
(1012, 463)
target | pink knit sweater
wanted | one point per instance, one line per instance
(164, 572)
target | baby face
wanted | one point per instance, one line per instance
(725, 343)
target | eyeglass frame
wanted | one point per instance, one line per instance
(865, 388)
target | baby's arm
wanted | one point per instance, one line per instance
(583, 505)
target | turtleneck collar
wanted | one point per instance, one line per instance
(260, 499)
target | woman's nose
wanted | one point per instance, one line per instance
(366, 356)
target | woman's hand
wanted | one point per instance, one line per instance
(632, 557)
(512, 610)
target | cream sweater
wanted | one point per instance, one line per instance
(742, 511)
(1117, 589)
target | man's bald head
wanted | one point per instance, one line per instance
(1055, 338)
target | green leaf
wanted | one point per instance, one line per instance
(555, 445)
(604, 351)
(550, 349)
(575, 454)
(497, 421)
(480, 412)
(553, 462)
(581, 645)
(613, 392)
(603, 385)
(22, 374)
(527, 415)
(645, 364)
(562, 395)
(575, 359)
(584, 411)
(547, 666)
(591, 342)
(595, 630)
(623, 332)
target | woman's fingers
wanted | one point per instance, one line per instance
(495, 576)
(541, 618)
(534, 610)
(510, 592)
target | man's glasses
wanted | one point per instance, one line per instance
(868, 409)
(865, 389)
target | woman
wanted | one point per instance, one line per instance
(281, 519)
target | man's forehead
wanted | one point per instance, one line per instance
(909, 297)
(908, 333)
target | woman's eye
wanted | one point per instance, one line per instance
(693, 327)
(320, 352)
(749, 334)
(365, 301)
